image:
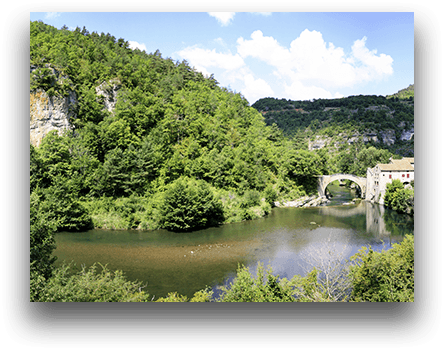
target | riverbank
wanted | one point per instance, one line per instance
(144, 213)
(303, 202)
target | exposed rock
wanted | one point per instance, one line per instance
(318, 143)
(407, 134)
(49, 113)
(109, 91)
(388, 137)
(307, 201)
(371, 136)
(57, 111)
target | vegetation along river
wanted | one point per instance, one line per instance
(288, 240)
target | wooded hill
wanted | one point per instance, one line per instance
(170, 127)
(384, 122)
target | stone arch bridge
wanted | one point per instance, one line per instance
(325, 180)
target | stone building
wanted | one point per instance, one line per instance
(381, 174)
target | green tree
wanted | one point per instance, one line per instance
(399, 198)
(368, 158)
(63, 207)
(42, 242)
(265, 287)
(190, 204)
(387, 276)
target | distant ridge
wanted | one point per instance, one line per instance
(404, 93)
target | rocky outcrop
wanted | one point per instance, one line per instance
(57, 111)
(50, 113)
(109, 91)
(303, 202)
(407, 135)
(318, 143)
(388, 137)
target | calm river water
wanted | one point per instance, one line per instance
(287, 239)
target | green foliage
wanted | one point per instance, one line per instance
(399, 198)
(201, 296)
(168, 122)
(190, 204)
(404, 94)
(42, 242)
(368, 158)
(387, 276)
(344, 116)
(265, 287)
(88, 285)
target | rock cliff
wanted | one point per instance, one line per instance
(387, 137)
(50, 113)
(56, 111)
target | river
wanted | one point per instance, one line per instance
(288, 240)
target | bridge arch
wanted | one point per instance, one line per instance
(325, 180)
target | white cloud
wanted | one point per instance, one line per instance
(309, 68)
(298, 91)
(264, 48)
(224, 18)
(204, 58)
(256, 88)
(135, 45)
(52, 15)
(314, 67)
(372, 65)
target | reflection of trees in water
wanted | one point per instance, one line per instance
(398, 224)
(383, 222)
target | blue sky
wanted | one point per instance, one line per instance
(293, 55)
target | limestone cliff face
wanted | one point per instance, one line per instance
(387, 137)
(50, 113)
(109, 92)
(56, 112)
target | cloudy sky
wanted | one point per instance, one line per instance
(293, 55)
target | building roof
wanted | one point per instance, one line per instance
(397, 165)
(410, 160)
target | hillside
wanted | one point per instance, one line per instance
(383, 122)
(404, 94)
(117, 134)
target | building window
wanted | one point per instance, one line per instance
(408, 176)
(390, 176)
(403, 175)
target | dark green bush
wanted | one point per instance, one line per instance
(189, 204)
(251, 198)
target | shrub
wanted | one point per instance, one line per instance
(189, 204)
(384, 276)
(264, 288)
(88, 285)
(399, 198)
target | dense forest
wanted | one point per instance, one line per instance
(177, 151)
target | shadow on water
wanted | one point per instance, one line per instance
(188, 262)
